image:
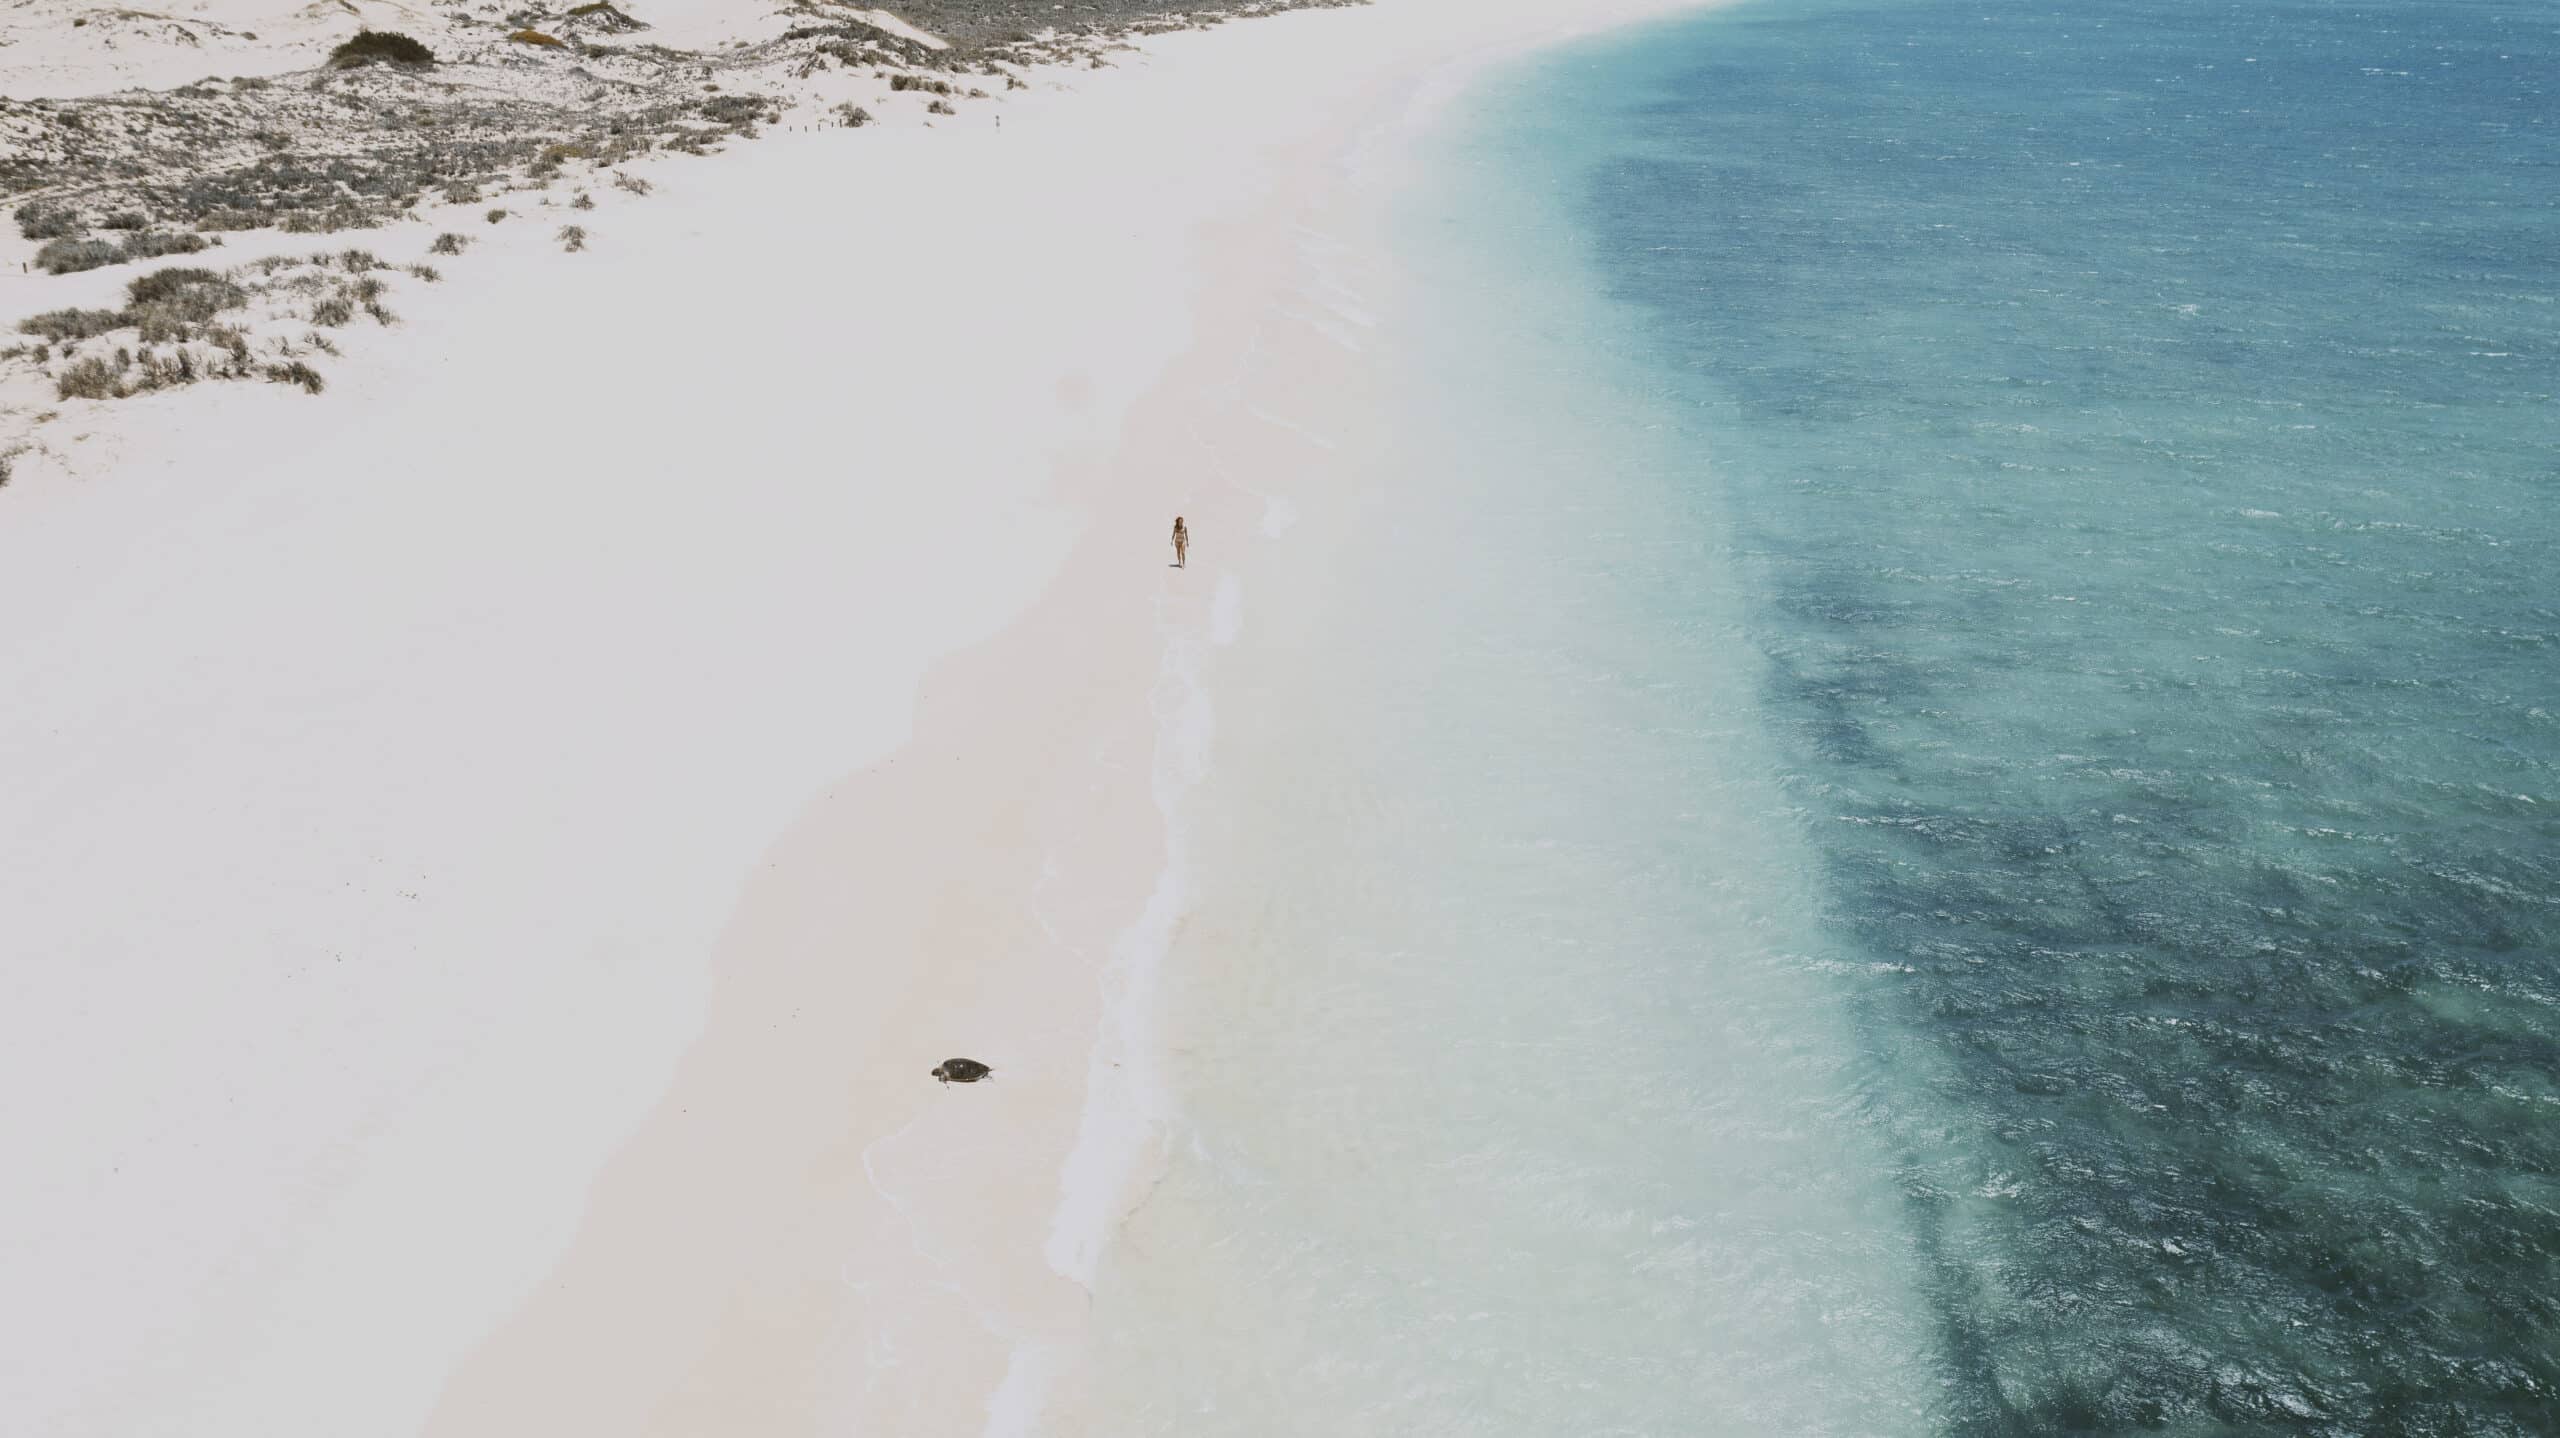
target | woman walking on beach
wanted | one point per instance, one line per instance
(1181, 543)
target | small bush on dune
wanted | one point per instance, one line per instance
(940, 107)
(43, 222)
(428, 273)
(853, 115)
(178, 281)
(496, 215)
(380, 46)
(297, 373)
(573, 238)
(605, 15)
(584, 201)
(64, 257)
(632, 183)
(535, 37)
(150, 245)
(168, 304)
(91, 378)
(449, 244)
(60, 325)
(123, 220)
(332, 310)
(356, 262)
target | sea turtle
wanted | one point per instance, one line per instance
(961, 1070)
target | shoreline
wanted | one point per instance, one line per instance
(973, 1299)
(698, 1179)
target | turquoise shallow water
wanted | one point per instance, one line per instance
(1931, 809)
(2137, 425)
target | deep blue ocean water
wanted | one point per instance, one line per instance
(2134, 421)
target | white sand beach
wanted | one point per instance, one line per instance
(492, 852)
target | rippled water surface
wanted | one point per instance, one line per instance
(1920, 799)
(2137, 423)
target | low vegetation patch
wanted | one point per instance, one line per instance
(90, 378)
(60, 325)
(373, 47)
(64, 257)
(449, 243)
(535, 37)
(43, 222)
(299, 373)
(573, 238)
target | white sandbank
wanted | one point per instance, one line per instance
(492, 851)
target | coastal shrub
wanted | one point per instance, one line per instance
(123, 220)
(44, 222)
(632, 183)
(345, 215)
(603, 16)
(735, 109)
(496, 215)
(332, 310)
(573, 238)
(371, 47)
(584, 201)
(428, 273)
(381, 313)
(535, 37)
(940, 107)
(64, 257)
(449, 243)
(168, 304)
(158, 373)
(356, 262)
(853, 115)
(151, 244)
(60, 325)
(297, 373)
(179, 281)
(367, 290)
(90, 378)
(918, 82)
